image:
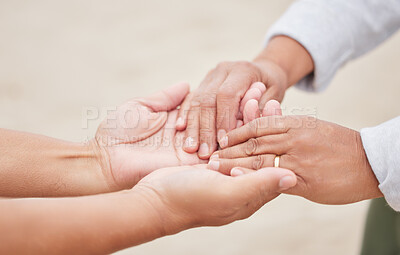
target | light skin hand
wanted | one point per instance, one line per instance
(215, 108)
(165, 202)
(137, 138)
(328, 159)
(215, 199)
(140, 137)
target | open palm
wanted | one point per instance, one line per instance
(140, 137)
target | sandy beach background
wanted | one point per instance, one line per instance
(57, 58)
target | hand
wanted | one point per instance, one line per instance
(193, 196)
(329, 160)
(140, 137)
(215, 107)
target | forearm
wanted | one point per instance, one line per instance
(98, 224)
(289, 55)
(34, 165)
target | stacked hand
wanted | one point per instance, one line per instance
(216, 107)
(328, 160)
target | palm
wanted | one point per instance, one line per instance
(202, 197)
(205, 189)
(139, 138)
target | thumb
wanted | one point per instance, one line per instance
(168, 99)
(267, 181)
(272, 93)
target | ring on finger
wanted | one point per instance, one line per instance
(277, 160)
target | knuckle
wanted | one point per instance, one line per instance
(223, 65)
(251, 146)
(224, 153)
(206, 131)
(208, 101)
(195, 102)
(255, 126)
(227, 89)
(258, 162)
(245, 64)
(290, 142)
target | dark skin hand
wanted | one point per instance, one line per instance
(329, 160)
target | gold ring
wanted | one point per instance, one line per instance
(276, 161)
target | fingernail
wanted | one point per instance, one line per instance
(213, 165)
(204, 150)
(189, 142)
(215, 155)
(236, 172)
(221, 133)
(287, 182)
(180, 122)
(223, 142)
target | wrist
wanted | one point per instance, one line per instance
(84, 173)
(290, 56)
(98, 162)
(169, 220)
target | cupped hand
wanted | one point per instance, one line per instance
(216, 107)
(328, 159)
(140, 137)
(192, 196)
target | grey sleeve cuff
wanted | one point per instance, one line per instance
(382, 146)
(318, 29)
(334, 32)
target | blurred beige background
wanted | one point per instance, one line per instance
(59, 57)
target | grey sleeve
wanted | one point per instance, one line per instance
(336, 31)
(382, 146)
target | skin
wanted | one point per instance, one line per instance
(215, 107)
(121, 153)
(329, 160)
(140, 137)
(155, 207)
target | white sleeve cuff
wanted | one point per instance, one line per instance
(382, 146)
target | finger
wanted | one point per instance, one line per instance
(239, 123)
(272, 144)
(183, 113)
(259, 85)
(256, 162)
(228, 100)
(274, 179)
(208, 139)
(264, 126)
(237, 171)
(255, 92)
(260, 187)
(272, 108)
(191, 144)
(251, 111)
(168, 99)
(272, 93)
(208, 112)
(252, 93)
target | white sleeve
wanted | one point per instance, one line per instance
(336, 31)
(382, 146)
